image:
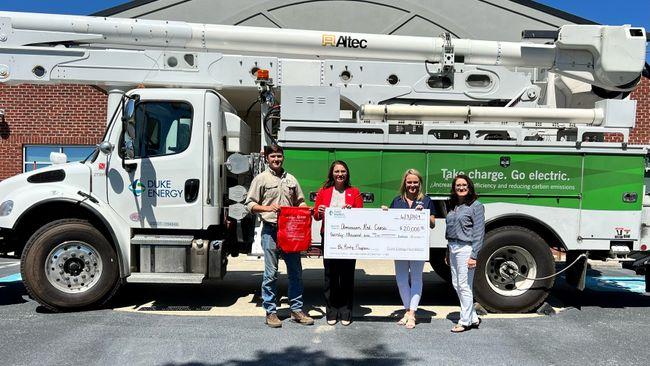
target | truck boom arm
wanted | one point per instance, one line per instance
(610, 57)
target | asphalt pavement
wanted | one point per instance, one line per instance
(604, 325)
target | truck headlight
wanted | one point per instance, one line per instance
(6, 207)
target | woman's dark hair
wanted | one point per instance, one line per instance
(330, 174)
(471, 193)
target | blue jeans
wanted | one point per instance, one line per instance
(294, 271)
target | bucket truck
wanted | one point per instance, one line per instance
(160, 200)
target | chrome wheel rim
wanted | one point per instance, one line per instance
(501, 268)
(73, 267)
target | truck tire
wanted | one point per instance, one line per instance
(437, 261)
(513, 247)
(69, 265)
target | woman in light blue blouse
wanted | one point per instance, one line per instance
(465, 234)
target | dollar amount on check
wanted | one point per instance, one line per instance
(368, 233)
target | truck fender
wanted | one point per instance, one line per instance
(117, 228)
(547, 233)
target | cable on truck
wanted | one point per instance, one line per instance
(514, 271)
(248, 111)
(273, 113)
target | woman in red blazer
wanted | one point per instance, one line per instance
(339, 273)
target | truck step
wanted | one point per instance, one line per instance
(162, 240)
(182, 278)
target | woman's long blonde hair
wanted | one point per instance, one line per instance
(402, 187)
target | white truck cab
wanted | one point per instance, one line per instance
(155, 191)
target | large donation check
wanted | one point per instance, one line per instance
(369, 233)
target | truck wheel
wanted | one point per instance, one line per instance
(513, 248)
(69, 265)
(437, 261)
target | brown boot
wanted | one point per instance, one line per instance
(302, 318)
(273, 321)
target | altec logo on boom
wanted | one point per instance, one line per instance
(343, 41)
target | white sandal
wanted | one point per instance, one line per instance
(410, 322)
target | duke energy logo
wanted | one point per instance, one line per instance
(136, 187)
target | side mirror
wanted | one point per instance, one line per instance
(128, 124)
(105, 147)
(128, 115)
(129, 150)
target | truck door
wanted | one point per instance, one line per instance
(161, 186)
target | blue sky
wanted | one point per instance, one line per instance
(636, 12)
(612, 12)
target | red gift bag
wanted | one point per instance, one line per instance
(294, 229)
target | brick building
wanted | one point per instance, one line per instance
(39, 119)
(72, 118)
(641, 133)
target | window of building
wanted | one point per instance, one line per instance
(162, 128)
(38, 156)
